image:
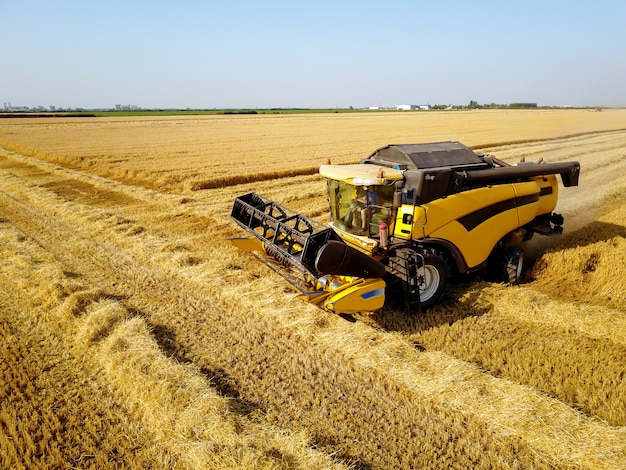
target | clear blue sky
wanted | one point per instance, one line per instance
(215, 54)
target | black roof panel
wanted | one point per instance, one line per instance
(431, 155)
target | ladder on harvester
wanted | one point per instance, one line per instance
(408, 266)
(413, 262)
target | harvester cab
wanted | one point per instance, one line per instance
(363, 201)
(403, 221)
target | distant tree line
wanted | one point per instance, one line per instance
(240, 111)
(523, 105)
(474, 105)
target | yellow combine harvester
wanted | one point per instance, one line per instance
(403, 221)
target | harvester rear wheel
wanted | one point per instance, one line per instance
(512, 265)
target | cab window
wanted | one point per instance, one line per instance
(359, 209)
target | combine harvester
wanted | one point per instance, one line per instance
(403, 221)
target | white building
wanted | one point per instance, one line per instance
(409, 107)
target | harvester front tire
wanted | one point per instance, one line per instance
(512, 265)
(434, 276)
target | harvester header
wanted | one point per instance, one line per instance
(312, 257)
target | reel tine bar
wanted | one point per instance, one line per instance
(284, 233)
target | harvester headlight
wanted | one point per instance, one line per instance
(365, 181)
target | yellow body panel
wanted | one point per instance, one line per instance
(475, 220)
(247, 244)
(441, 211)
(526, 211)
(549, 193)
(365, 296)
(476, 245)
(404, 230)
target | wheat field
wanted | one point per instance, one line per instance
(134, 336)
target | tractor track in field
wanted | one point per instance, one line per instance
(526, 143)
(120, 241)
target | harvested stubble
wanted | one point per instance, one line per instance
(53, 414)
(183, 336)
(85, 384)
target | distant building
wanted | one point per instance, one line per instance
(9, 107)
(409, 107)
(126, 107)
